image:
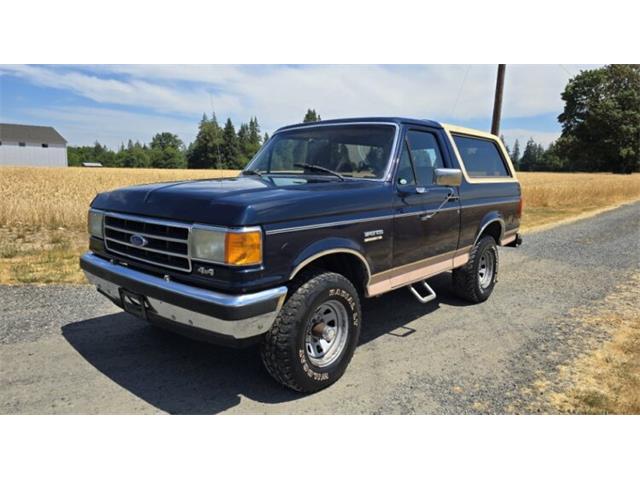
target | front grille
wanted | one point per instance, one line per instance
(167, 243)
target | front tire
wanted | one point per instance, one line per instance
(475, 280)
(315, 333)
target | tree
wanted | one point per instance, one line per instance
(601, 120)
(164, 140)
(311, 116)
(134, 156)
(266, 138)
(206, 151)
(230, 147)
(515, 154)
(167, 151)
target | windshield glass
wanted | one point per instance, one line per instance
(360, 151)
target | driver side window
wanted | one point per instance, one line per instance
(425, 155)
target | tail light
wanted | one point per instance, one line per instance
(520, 207)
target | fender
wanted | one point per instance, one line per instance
(327, 246)
(490, 218)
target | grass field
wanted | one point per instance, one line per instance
(43, 210)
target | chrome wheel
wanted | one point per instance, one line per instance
(485, 269)
(326, 334)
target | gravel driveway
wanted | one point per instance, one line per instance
(66, 349)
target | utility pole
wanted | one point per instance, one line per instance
(497, 102)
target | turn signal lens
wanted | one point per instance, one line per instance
(243, 248)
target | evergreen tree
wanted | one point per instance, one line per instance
(230, 147)
(206, 151)
(243, 140)
(515, 154)
(311, 116)
(266, 138)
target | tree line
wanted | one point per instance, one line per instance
(214, 147)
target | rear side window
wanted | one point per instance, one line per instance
(481, 157)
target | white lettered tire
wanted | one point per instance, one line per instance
(315, 333)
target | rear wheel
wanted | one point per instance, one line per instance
(475, 280)
(315, 334)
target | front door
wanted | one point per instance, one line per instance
(427, 216)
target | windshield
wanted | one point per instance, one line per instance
(360, 151)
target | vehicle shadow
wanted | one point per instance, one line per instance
(182, 376)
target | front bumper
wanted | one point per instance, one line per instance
(233, 317)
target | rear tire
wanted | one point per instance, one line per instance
(475, 280)
(315, 333)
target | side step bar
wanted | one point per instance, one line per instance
(431, 295)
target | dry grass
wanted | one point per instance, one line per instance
(43, 210)
(59, 197)
(606, 380)
(553, 197)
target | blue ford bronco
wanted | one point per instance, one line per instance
(324, 215)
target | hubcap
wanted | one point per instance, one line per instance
(326, 335)
(485, 270)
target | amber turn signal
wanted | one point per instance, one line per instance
(243, 248)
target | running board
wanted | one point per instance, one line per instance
(426, 299)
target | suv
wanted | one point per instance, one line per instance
(325, 214)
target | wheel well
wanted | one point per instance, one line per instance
(346, 264)
(493, 229)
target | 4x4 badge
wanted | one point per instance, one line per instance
(205, 271)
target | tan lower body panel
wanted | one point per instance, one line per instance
(407, 274)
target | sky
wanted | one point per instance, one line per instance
(114, 103)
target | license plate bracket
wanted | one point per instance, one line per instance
(134, 303)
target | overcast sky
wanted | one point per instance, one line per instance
(112, 103)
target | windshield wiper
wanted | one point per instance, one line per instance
(311, 166)
(252, 172)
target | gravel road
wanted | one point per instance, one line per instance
(66, 349)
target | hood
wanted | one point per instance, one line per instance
(244, 200)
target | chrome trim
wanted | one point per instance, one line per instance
(326, 225)
(157, 237)
(276, 231)
(392, 156)
(157, 221)
(163, 252)
(324, 253)
(502, 227)
(237, 328)
(152, 221)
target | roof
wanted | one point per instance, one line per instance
(10, 132)
(396, 120)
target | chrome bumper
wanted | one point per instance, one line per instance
(237, 316)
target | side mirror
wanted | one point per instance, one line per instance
(447, 177)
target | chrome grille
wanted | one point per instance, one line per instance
(167, 242)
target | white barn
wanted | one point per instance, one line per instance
(31, 145)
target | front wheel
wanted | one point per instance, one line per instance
(315, 333)
(475, 280)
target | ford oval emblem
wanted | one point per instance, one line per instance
(138, 240)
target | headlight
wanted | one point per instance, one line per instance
(95, 223)
(229, 247)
